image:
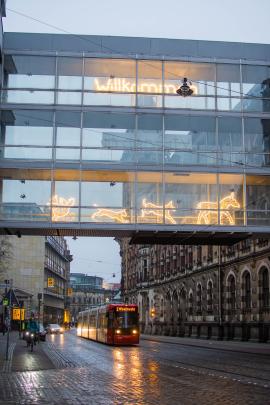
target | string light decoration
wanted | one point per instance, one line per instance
(120, 216)
(154, 211)
(61, 207)
(209, 211)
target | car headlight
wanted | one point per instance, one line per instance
(118, 331)
(32, 334)
(134, 332)
(61, 330)
(26, 333)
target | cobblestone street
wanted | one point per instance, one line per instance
(71, 370)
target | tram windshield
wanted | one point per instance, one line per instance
(126, 319)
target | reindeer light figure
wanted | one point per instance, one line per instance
(209, 211)
(61, 207)
(120, 216)
(154, 211)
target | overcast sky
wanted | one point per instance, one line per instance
(228, 20)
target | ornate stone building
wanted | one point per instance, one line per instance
(200, 291)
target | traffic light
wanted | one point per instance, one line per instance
(152, 312)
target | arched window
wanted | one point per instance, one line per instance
(231, 293)
(246, 290)
(210, 297)
(199, 299)
(190, 303)
(264, 288)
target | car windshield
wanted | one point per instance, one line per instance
(54, 325)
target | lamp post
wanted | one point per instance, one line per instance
(39, 296)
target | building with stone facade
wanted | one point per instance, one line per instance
(200, 291)
(39, 268)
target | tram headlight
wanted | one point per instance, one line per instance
(134, 332)
(118, 331)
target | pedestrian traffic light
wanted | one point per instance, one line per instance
(152, 312)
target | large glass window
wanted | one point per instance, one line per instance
(256, 80)
(108, 130)
(190, 133)
(149, 134)
(27, 127)
(149, 81)
(258, 201)
(231, 199)
(230, 141)
(110, 75)
(69, 72)
(149, 197)
(257, 141)
(201, 75)
(68, 135)
(27, 71)
(228, 80)
(191, 198)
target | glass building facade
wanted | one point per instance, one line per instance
(91, 138)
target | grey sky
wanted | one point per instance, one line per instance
(229, 20)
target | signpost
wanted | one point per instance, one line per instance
(50, 282)
(7, 320)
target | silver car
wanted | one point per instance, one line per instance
(54, 328)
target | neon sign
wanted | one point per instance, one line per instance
(122, 85)
(125, 309)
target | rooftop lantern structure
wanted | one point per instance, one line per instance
(185, 89)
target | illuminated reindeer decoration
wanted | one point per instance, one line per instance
(209, 211)
(155, 212)
(115, 215)
(61, 208)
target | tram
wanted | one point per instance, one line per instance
(114, 324)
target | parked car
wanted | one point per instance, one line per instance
(54, 328)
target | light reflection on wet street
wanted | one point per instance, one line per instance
(87, 372)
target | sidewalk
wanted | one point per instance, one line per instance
(20, 358)
(235, 346)
(13, 337)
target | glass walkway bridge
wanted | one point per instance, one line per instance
(96, 141)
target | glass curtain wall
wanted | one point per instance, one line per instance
(63, 80)
(107, 196)
(84, 159)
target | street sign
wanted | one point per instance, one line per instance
(50, 282)
(18, 314)
(5, 302)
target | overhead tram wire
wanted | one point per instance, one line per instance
(117, 51)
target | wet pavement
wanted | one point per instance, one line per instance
(78, 371)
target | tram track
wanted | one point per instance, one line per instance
(163, 362)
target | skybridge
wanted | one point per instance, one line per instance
(99, 143)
